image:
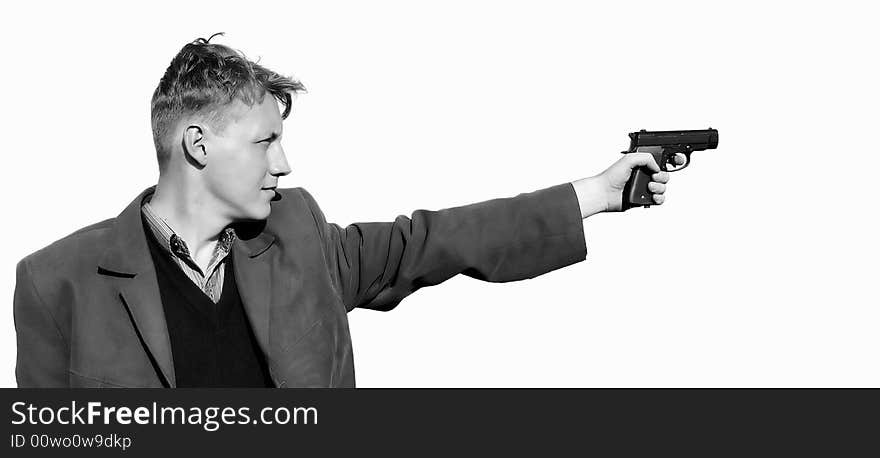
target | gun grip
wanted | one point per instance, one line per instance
(636, 192)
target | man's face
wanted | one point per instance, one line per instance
(245, 160)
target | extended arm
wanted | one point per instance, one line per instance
(376, 265)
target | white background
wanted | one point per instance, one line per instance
(757, 271)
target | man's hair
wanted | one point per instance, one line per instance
(202, 79)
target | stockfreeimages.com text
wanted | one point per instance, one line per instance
(211, 418)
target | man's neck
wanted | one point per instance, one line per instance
(191, 218)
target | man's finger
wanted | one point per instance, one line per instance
(661, 177)
(659, 198)
(657, 188)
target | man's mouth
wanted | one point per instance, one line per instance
(275, 195)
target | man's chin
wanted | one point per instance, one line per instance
(255, 214)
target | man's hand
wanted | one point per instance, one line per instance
(604, 192)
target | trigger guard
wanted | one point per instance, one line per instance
(687, 162)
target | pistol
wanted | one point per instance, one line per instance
(664, 146)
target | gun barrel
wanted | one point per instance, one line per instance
(700, 139)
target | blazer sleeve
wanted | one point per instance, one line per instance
(42, 353)
(376, 265)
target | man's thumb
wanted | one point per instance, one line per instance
(640, 159)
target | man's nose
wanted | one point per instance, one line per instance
(278, 165)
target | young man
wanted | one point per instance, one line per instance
(217, 277)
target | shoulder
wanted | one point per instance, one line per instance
(296, 214)
(84, 245)
(294, 204)
(293, 197)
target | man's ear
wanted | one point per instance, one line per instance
(194, 145)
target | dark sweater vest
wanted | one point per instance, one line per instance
(212, 345)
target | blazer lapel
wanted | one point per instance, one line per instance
(253, 278)
(128, 264)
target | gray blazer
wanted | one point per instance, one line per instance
(88, 313)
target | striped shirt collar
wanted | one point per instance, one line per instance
(176, 246)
